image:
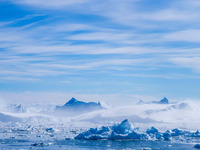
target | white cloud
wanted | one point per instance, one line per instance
(185, 36)
(102, 36)
(191, 62)
(15, 78)
(66, 82)
(36, 50)
(123, 12)
(165, 76)
(51, 3)
(170, 15)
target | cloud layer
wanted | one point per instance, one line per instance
(105, 42)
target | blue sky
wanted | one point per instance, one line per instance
(106, 49)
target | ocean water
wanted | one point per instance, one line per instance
(70, 144)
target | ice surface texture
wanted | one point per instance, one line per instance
(125, 130)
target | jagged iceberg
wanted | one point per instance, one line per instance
(124, 130)
(154, 133)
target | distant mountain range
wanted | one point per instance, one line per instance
(73, 107)
(163, 101)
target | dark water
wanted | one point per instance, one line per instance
(12, 144)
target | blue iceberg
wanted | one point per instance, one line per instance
(124, 130)
(154, 133)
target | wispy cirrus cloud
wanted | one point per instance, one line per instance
(51, 3)
(184, 36)
(188, 62)
(85, 41)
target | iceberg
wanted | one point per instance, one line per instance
(196, 134)
(124, 127)
(154, 133)
(197, 146)
(167, 135)
(177, 132)
(152, 130)
(51, 130)
(124, 130)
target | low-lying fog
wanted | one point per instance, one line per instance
(143, 114)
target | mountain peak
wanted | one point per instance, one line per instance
(140, 102)
(164, 101)
(71, 101)
(75, 107)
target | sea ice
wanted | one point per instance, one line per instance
(50, 130)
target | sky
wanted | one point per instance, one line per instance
(112, 50)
